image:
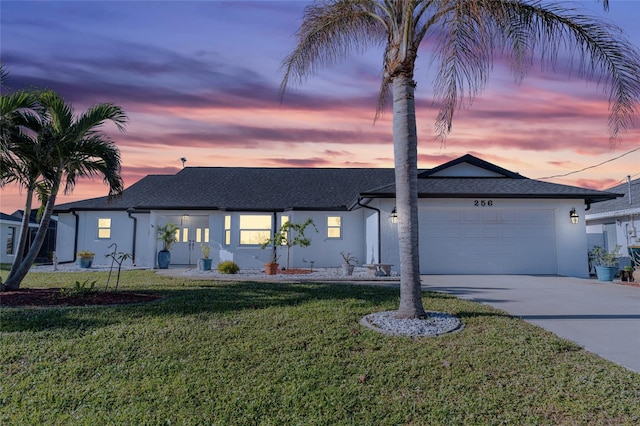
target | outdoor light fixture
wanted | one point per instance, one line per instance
(394, 215)
(185, 218)
(573, 215)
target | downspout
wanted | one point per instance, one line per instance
(379, 230)
(135, 227)
(75, 239)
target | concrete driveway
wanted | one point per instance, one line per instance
(602, 317)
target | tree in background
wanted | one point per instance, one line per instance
(469, 34)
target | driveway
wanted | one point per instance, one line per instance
(604, 318)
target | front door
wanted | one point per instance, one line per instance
(192, 232)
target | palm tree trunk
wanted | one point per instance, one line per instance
(405, 147)
(13, 282)
(24, 232)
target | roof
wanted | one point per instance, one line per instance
(4, 216)
(246, 189)
(630, 200)
(476, 178)
(281, 189)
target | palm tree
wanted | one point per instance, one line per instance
(18, 164)
(469, 34)
(70, 147)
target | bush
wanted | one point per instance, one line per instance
(228, 267)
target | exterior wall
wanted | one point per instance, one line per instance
(121, 239)
(65, 239)
(87, 235)
(323, 251)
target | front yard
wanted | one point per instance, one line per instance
(266, 353)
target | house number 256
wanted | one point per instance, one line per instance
(483, 203)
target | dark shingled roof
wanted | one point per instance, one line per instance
(278, 189)
(430, 187)
(620, 204)
(239, 188)
(4, 216)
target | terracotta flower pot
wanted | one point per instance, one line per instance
(271, 268)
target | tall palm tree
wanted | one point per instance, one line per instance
(70, 147)
(470, 33)
(18, 123)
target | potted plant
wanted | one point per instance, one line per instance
(627, 273)
(271, 267)
(605, 262)
(205, 262)
(85, 258)
(290, 234)
(349, 263)
(166, 234)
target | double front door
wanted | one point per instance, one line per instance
(193, 231)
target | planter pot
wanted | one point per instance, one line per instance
(164, 258)
(271, 268)
(347, 270)
(606, 273)
(85, 262)
(205, 264)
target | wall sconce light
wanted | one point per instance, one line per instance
(185, 218)
(573, 215)
(394, 215)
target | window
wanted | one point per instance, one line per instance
(227, 230)
(202, 235)
(11, 237)
(254, 229)
(104, 228)
(283, 220)
(334, 227)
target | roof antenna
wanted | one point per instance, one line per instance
(184, 160)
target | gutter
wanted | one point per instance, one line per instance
(75, 239)
(135, 228)
(379, 230)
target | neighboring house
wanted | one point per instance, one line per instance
(617, 221)
(10, 231)
(475, 218)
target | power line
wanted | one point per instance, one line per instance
(591, 167)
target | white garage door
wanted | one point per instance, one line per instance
(487, 241)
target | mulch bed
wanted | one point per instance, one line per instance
(44, 297)
(294, 271)
(629, 283)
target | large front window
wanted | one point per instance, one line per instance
(254, 229)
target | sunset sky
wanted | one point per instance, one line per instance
(200, 79)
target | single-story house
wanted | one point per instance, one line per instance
(474, 218)
(616, 222)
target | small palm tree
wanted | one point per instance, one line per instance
(70, 147)
(469, 34)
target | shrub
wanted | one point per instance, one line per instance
(228, 267)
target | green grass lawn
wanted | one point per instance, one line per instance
(280, 354)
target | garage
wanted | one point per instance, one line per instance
(487, 241)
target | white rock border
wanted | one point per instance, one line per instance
(436, 324)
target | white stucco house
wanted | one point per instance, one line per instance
(475, 218)
(616, 222)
